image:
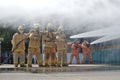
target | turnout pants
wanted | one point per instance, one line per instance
(62, 58)
(36, 52)
(21, 58)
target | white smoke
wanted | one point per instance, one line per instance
(81, 14)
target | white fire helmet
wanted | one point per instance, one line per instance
(21, 29)
(31, 31)
(50, 26)
(60, 28)
(37, 26)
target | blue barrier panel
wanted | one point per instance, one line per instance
(106, 56)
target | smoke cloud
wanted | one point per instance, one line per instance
(85, 15)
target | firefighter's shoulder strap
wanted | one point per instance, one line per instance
(18, 44)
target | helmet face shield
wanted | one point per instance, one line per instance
(21, 29)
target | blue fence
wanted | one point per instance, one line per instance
(106, 56)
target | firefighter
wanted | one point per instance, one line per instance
(43, 36)
(18, 45)
(61, 47)
(54, 50)
(75, 52)
(48, 46)
(34, 47)
(86, 51)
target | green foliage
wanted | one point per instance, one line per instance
(7, 34)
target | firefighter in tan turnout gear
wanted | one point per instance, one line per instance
(61, 47)
(43, 36)
(54, 50)
(48, 45)
(34, 46)
(18, 45)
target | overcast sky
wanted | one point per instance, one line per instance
(85, 14)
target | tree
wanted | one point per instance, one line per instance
(6, 33)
